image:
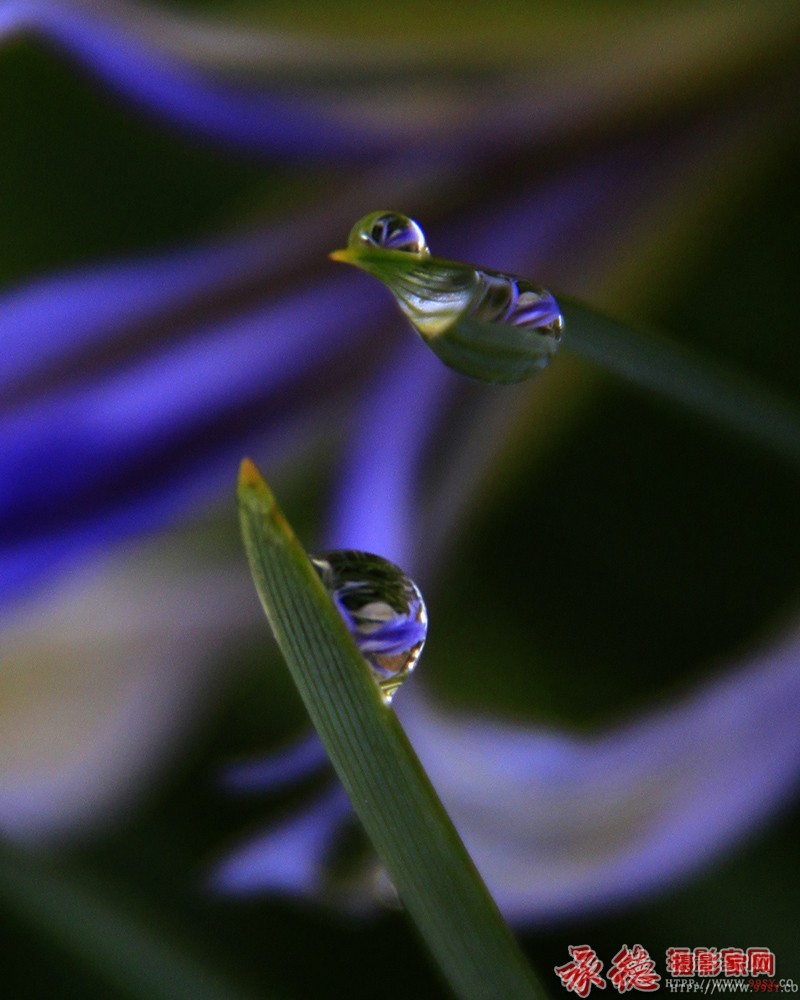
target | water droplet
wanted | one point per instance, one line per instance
(389, 231)
(486, 324)
(382, 608)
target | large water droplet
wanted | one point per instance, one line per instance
(486, 324)
(382, 608)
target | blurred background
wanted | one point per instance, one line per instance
(589, 553)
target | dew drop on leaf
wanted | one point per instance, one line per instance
(390, 231)
(489, 325)
(382, 609)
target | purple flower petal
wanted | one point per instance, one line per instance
(277, 770)
(131, 448)
(374, 509)
(289, 857)
(242, 118)
(61, 319)
(99, 689)
(559, 824)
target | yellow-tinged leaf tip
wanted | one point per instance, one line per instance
(249, 476)
(253, 486)
(345, 256)
(255, 494)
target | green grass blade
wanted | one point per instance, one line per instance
(131, 948)
(686, 377)
(434, 876)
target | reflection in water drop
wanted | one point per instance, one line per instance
(382, 608)
(390, 231)
(492, 326)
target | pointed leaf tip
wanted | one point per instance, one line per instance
(252, 490)
(256, 498)
(249, 476)
(342, 256)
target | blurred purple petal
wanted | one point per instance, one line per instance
(130, 447)
(100, 687)
(249, 119)
(65, 316)
(374, 510)
(559, 824)
(69, 326)
(290, 857)
(278, 769)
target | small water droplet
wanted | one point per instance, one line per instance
(382, 608)
(489, 325)
(389, 231)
